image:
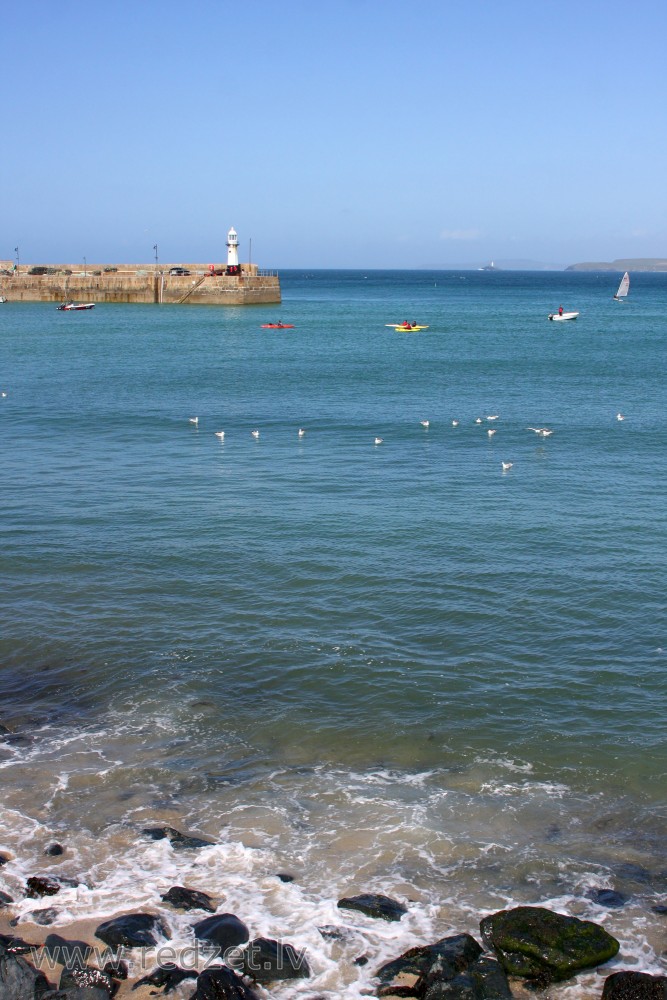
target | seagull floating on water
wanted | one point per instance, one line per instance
(619, 416)
(301, 432)
(479, 420)
(4, 395)
(455, 423)
(425, 423)
(194, 420)
(379, 440)
(494, 417)
(542, 431)
(220, 434)
(506, 465)
(255, 434)
(491, 432)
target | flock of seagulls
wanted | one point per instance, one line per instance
(543, 432)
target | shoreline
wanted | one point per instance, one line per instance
(351, 940)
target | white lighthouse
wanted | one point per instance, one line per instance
(232, 252)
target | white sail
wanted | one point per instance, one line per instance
(624, 287)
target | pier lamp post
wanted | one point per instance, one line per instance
(18, 259)
(156, 259)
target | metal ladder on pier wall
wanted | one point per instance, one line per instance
(191, 290)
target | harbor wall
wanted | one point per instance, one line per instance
(140, 284)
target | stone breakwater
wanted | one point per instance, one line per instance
(519, 949)
(138, 283)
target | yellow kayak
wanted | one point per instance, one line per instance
(400, 328)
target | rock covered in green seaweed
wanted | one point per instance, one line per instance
(537, 943)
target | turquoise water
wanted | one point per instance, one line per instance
(289, 638)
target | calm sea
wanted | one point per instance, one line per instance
(390, 667)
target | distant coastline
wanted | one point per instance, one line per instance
(623, 264)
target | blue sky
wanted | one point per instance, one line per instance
(347, 133)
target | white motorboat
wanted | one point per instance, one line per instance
(75, 306)
(561, 317)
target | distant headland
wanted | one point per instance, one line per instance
(623, 264)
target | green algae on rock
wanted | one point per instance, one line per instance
(537, 943)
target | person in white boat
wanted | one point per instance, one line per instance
(560, 310)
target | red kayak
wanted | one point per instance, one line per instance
(277, 326)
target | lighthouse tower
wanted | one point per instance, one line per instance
(232, 252)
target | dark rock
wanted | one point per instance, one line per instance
(539, 944)
(4, 858)
(177, 839)
(489, 980)
(331, 933)
(632, 873)
(397, 991)
(166, 976)
(374, 905)
(18, 979)
(69, 953)
(14, 945)
(265, 961)
(42, 885)
(607, 897)
(43, 917)
(48, 885)
(96, 984)
(485, 979)
(134, 930)
(5, 899)
(660, 908)
(452, 955)
(117, 970)
(14, 739)
(188, 899)
(54, 850)
(220, 983)
(634, 986)
(223, 929)
(284, 877)
(361, 960)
